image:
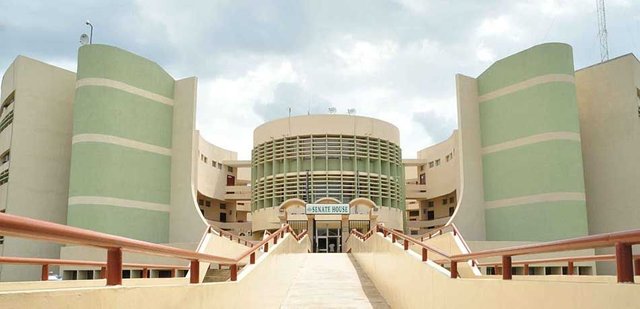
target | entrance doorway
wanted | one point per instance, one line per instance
(327, 236)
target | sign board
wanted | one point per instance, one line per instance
(327, 209)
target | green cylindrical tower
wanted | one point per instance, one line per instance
(121, 155)
(531, 152)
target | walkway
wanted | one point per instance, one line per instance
(332, 280)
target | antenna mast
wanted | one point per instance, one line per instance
(602, 31)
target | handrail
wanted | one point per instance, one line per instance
(570, 262)
(265, 242)
(436, 232)
(631, 237)
(247, 242)
(45, 263)
(395, 234)
(441, 229)
(11, 225)
(408, 239)
(621, 240)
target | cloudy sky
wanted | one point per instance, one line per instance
(395, 60)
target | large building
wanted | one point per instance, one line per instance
(542, 152)
(327, 159)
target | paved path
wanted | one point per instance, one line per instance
(332, 280)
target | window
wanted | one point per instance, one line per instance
(451, 210)
(638, 94)
(229, 169)
(413, 213)
(430, 204)
(200, 202)
(223, 206)
(423, 179)
(219, 166)
(452, 200)
(438, 162)
(431, 164)
(444, 201)
(207, 203)
(213, 163)
(5, 157)
(414, 232)
(430, 215)
(2, 237)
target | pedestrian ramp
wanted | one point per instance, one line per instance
(332, 280)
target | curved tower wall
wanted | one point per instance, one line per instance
(343, 157)
(120, 179)
(531, 152)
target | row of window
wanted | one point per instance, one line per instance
(207, 203)
(430, 213)
(437, 162)
(445, 201)
(204, 159)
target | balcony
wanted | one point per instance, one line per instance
(234, 226)
(427, 223)
(416, 191)
(234, 193)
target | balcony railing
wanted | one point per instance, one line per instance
(237, 193)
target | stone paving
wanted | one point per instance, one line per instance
(332, 280)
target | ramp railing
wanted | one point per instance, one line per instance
(569, 260)
(232, 236)
(622, 241)
(264, 245)
(11, 225)
(45, 263)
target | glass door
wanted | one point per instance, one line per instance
(322, 240)
(328, 237)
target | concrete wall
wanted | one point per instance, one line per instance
(469, 215)
(608, 102)
(186, 224)
(40, 145)
(406, 282)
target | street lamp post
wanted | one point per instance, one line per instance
(88, 23)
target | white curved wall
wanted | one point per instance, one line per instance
(212, 180)
(326, 124)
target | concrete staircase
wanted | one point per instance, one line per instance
(217, 275)
(332, 280)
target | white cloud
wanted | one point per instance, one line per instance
(484, 53)
(225, 105)
(389, 59)
(361, 57)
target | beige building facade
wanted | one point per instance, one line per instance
(35, 142)
(542, 152)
